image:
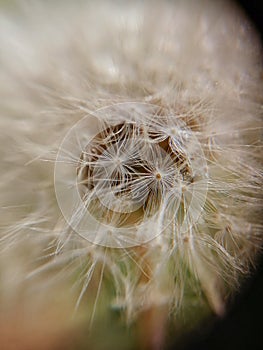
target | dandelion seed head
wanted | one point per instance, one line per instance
(131, 155)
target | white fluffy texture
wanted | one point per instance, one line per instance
(59, 61)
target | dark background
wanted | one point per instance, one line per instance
(254, 10)
(242, 328)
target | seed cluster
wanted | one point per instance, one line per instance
(127, 169)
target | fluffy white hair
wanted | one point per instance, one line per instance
(197, 64)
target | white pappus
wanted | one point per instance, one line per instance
(131, 160)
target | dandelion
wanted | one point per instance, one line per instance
(131, 189)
